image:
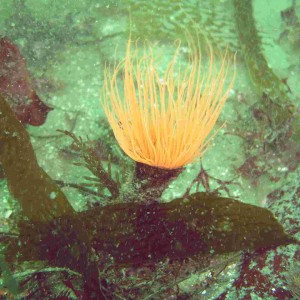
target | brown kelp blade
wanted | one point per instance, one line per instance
(39, 196)
(198, 224)
(130, 233)
(138, 234)
(228, 225)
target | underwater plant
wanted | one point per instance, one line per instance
(165, 121)
(127, 248)
(200, 224)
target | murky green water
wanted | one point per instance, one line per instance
(80, 219)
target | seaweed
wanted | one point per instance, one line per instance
(16, 83)
(131, 234)
(102, 178)
(204, 179)
(199, 227)
(197, 224)
(268, 85)
(40, 198)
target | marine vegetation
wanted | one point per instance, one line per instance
(132, 244)
(198, 225)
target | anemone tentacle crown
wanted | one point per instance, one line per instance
(165, 121)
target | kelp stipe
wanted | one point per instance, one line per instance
(39, 196)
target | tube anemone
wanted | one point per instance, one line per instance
(165, 121)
